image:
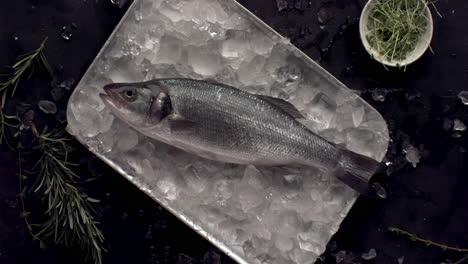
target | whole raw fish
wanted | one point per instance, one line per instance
(223, 123)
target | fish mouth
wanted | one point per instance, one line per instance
(110, 98)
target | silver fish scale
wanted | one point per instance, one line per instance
(237, 126)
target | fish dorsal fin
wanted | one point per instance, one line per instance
(283, 105)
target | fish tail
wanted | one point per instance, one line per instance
(356, 171)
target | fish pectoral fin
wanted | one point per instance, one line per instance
(283, 105)
(178, 123)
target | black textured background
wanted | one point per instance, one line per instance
(430, 200)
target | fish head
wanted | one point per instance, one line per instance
(137, 104)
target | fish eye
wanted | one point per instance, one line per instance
(129, 94)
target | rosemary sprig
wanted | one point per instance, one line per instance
(425, 241)
(69, 212)
(396, 27)
(428, 243)
(24, 67)
(68, 215)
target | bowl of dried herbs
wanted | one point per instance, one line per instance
(396, 32)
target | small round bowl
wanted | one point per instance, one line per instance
(412, 56)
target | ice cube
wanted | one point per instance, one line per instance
(369, 255)
(290, 73)
(463, 95)
(358, 115)
(288, 222)
(170, 50)
(128, 139)
(458, 125)
(235, 52)
(321, 110)
(360, 141)
(168, 188)
(412, 155)
(284, 243)
(379, 94)
(250, 73)
(47, 107)
(235, 21)
(203, 61)
(170, 12)
(195, 177)
(254, 178)
(94, 122)
(261, 45)
(222, 190)
(309, 240)
(401, 260)
(281, 4)
(324, 15)
(249, 198)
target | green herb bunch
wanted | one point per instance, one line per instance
(396, 26)
(24, 67)
(67, 217)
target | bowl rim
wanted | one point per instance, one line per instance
(427, 37)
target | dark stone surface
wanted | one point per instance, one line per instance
(430, 200)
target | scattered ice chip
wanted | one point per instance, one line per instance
(65, 33)
(67, 84)
(340, 256)
(56, 93)
(463, 95)
(458, 125)
(412, 155)
(324, 15)
(379, 94)
(401, 260)
(13, 204)
(281, 4)
(380, 190)
(47, 107)
(369, 255)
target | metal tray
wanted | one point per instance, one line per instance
(254, 215)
